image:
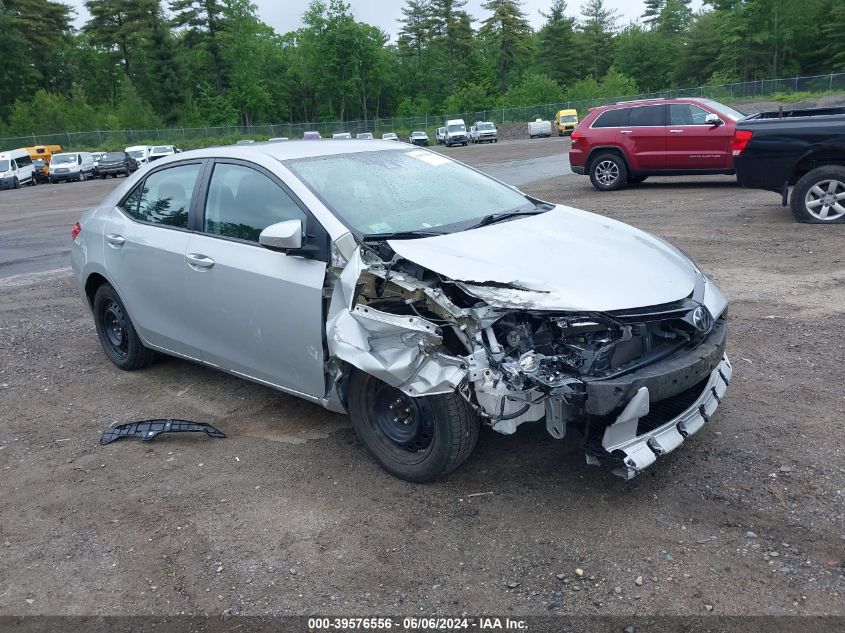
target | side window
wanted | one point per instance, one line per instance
(687, 114)
(612, 118)
(647, 116)
(164, 197)
(242, 202)
(24, 161)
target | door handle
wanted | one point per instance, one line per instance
(626, 131)
(115, 240)
(676, 131)
(199, 261)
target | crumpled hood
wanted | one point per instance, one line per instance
(565, 259)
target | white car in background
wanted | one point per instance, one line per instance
(342, 136)
(364, 136)
(140, 153)
(390, 136)
(160, 151)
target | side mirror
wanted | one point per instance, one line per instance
(282, 236)
(713, 119)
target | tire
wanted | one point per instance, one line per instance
(125, 173)
(81, 176)
(817, 195)
(116, 332)
(16, 183)
(608, 172)
(441, 432)
(635, 180)
(33, 182)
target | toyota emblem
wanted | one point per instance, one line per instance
(700, 319)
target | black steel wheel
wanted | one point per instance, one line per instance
(117, 333)
(414, 438)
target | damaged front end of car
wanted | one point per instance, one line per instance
(633, 383)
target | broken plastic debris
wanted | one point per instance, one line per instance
(147, 430)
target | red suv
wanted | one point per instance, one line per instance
(628, 142)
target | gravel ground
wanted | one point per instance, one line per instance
(290, 516)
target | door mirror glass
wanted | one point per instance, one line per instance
(282, 235)
(713, 119)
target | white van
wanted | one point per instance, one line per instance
(456, 133)
(16, 169)
(71, 166)
(141, 153)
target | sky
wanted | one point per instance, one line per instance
(285, 15)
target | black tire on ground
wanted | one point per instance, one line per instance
(608, 172)
(635, 180)
(16, 183)
(125, 172)
(81, 176)
(116, 332)
(434, 435)
(817, 195)
(33, 182)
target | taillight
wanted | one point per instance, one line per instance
(75, 231)
(741, 138)
(576, 135)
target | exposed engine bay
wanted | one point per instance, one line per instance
(427, 334)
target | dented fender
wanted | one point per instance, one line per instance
(399, 350)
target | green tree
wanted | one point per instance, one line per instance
(122, 27)
(699, 55)
(648, 57)
(532, 90)
(17, 75)
(452, 33)
(596, 35)
(201, 22)
(508, 37)
(468, 98)
(557, 55)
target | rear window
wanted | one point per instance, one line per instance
(612, 118)
(648, 116)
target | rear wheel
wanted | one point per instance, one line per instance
(819, 196)
(116, 332)
(416, 439)
(608, 172)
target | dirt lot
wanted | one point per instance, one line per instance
(289, 515)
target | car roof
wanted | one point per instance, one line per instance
(291, 149)
(642, 102)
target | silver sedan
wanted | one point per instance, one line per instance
(411, 291)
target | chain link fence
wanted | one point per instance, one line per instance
(198, 136)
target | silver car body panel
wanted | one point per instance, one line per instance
(259, 314)
(565, 259)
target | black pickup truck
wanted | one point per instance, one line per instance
(804, 148)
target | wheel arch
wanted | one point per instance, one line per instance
(815, 159)
(607, 149)
(92, 284)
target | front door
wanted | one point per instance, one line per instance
(692, 143)
(255, 311)
(146, 236)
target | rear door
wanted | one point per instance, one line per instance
(644, 137)
(146, 237)
(692, 143)
(255, 311)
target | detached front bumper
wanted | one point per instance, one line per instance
(641, 433)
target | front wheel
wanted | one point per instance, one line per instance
(416, 439)
(819, 196)
(608, 172)
(16, 183)
(116, 331)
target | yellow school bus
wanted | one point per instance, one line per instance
(565, 121)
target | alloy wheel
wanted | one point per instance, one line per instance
(826, 200)
(607, 172)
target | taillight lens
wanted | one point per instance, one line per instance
(741, 138)
(576, 135)
(75, 231)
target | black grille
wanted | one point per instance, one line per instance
(662, 411)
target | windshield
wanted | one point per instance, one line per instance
(418, 134)
(136, 153)
(162, 149)
(113, 156)
(400, 190)
(724, 110)
(4, 165)
(63, 159)
(456, 128)
(569, 118)
(38, 162)
(486, 126)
